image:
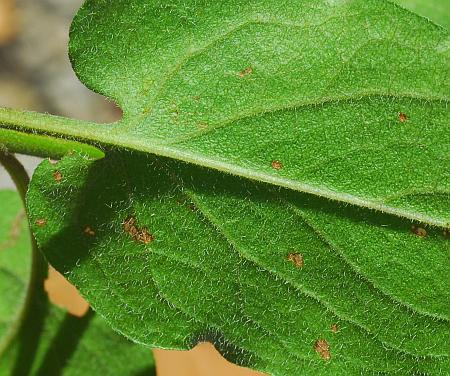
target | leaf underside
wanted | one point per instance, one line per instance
(343, 100)
(436, 10)
(325, 97)
(68, 345)
(172, 254)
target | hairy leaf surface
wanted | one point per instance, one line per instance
(68, 345)
(436, 10)
(325, 97)
(339, 93)
(171, 255)
(342, 99)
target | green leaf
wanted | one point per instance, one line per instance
(15, 256)
(237, 86)
(82, 346)
(68, 345)
(436, 10)
(43, 146)
(344, 99)
(171, 254)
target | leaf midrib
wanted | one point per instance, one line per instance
(123, 133)
(108, 135)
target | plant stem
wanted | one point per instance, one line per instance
(43, 145)
(34, 307)
(17, 172)
(50, 125)
(120, 135)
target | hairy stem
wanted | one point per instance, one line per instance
(17, 172)
(45, 146)
(34, 134)
(50, 125)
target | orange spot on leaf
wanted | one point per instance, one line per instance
(277, 165)
(246, 72)
(297, 259)
(140, 235)
(202, 125)
(323, 349)
(402, 117)
(41, 222)
(89, 231)
(57, 176)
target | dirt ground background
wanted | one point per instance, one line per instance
(35, 74)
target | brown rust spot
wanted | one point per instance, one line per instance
(41, 222)
(140, 235)
(196, 98)
(446, 233)
(57, 176)
(89, 231)
(246, 72)
(297, 259)
(335, 328)
(402, 117)
(419, 231)
(202, 125)
(277, 165)
(323, 349)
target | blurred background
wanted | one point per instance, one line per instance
(35, 74)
